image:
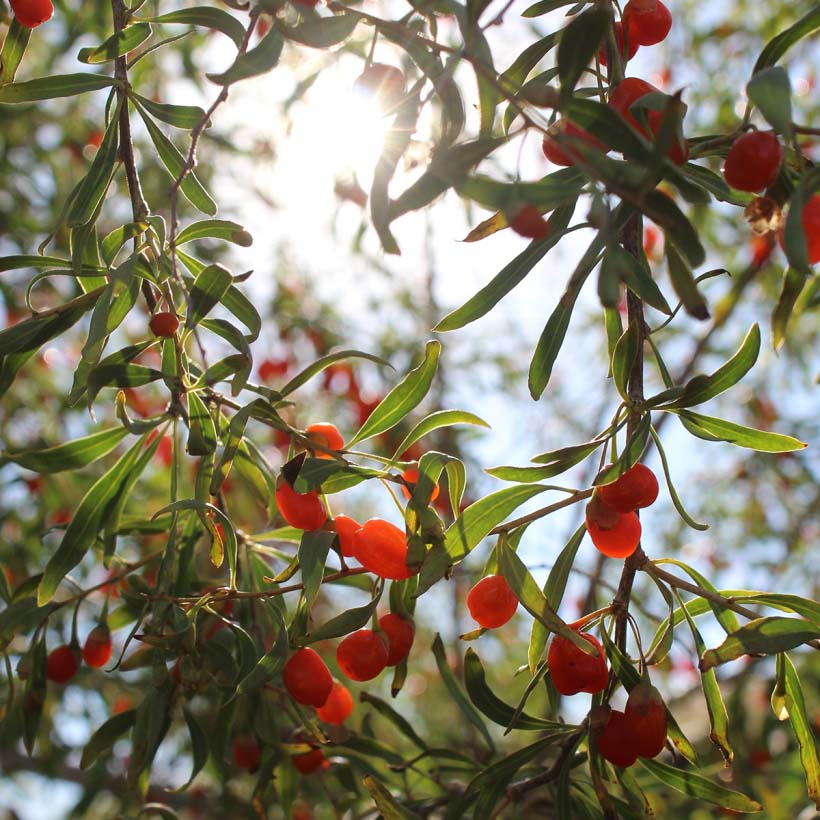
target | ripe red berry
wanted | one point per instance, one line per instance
(327, 435)
(527, 221)
(307, 678)
(98, 648)
(273, 368)
(381, 548)
(647, 28)
(572, 670)
(615, 534)
(645, 713)
(619, 39)
(400, 635)
(614, 742)
(305, 511)
(362, 655)
(310, 762)
(30, 13)
(345, 528)
(560, 140)
(753, 161)
(491, 602)
(338, 706)
(635, 489)
(811, 229)
(246, 752)
(411, 476)
(385, 83)
(62, 663)
(164, 324)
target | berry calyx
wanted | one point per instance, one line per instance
(98, 648)
(246, 752)
(614, 741)
(626, 56)
(63, 663)
(615, 534)
(560, 140)
(31, 13)
(362, 655)
(753, 161)
(527, 221)
(491, 602)
(411, 476)
(164, 324)
(307, 678)
(635, 489)
(400, 634)
(385, 83)
(381, 548)
(646, 715)
(310, 762)
(305, 511)
(327, 435)
(338, 706)
(647, 27)
(572, 670)
(345, 528)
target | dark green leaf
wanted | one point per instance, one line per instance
(69, 456)
(343, 624)
(180, 116)
(770, 92)
(271, 662)
(206, 17)
(199, 747)
(202, 433)
(388, 806)
(321, 32)
(151, 722)
(779, 45)
(313, 550)
(685, 285)
(579, 44)
(259, 60)
(401, 723)
(623, 358)
(104, 738)
(208, 289)
(793, 283)
(116, 45)
(47, 88)
(803, 729)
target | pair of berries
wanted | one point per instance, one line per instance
(639, 731)
(572, 670)
(644, 23)
(611, 520)
(491, 602)
(63, 663)
(31, 13)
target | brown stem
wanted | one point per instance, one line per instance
(580, 495)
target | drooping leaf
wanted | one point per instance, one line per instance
(712, 429)
(48, 88)
(207, 17)
(116, 45)
(68, 456)
(803, 730)
(106, 735)
(770, 92)
(258, 60)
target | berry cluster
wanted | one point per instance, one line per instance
(63, 663)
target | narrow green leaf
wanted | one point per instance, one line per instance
(259, 60)
(387, 805)
(400, 722)
(202, 437)
(685, 285)
(116, 45)
(343, 624)
(623, 358)
(678, 230)
(579, 44)
(48, 88)
(712, 429)
(779, 45)
(206, 17)
(321, 32)
(14, 47)
(199, 747)
(793, 283)
(69, 456)
(105, 736)
(803, 730)
(151, 723)
(323, 363)
(770, 92)
(215, 229)
(436, 420)
(208, 289)
(313, 550)
(180, 116)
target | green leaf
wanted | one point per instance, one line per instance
(208, 289)
(695, 785)
(199, 747)
(14, 47)
(793, 283)
(116, 45)
(151, 722)
(403, 398)
(179, 116)
(400, 722)
(206, 17)
(434, 421)
(202, 437)
(779, 45)
(323, 363)
(105, 736)
(457, 693)
(763, 636)
(259, 60)
(321, 32)
(685, 285)
(770, 92)
(388, 807)
(174, 163)
(313, 550)
(794, 233)
(803, 729)
(48, 88)
(702, 388)
(271, 662)
(712, 429)
(69, 456)
(637, 276)
(623, 358)
(343, 624)
(215, 229)
(678, 230)
(510, 275)
(579, 44)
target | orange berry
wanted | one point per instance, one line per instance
(491, 602)
(345, 528)
(411, 476)
(98, 648)
(400, 635)
(305, 511)
(327, 435)
(338, 706)
(362, 655)
(381, 548)
(647, 27)
(307, 678)
(164, 324)
(614, 534)
(635, 489)
(572, 670)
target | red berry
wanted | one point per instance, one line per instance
(62, 663)
(246, 752)
(97, 649)
(614, 534)
(491, 602)
(411, 476)
(307, 678)
(646, 715)
(381, 548)
(527, 221)
(310, 762)
(327, 435)
(345, 528)
(619, 39)
(383, 82)
(753, 161)
(559, 141)
(811, 229)
(647, 28)
(400, 634)
(305, 511)
(362, 655)
(30, 13)
(635, 489)
(614, 742)
(164, 324)
(338, 706)
(572, 670)
(272, 368)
